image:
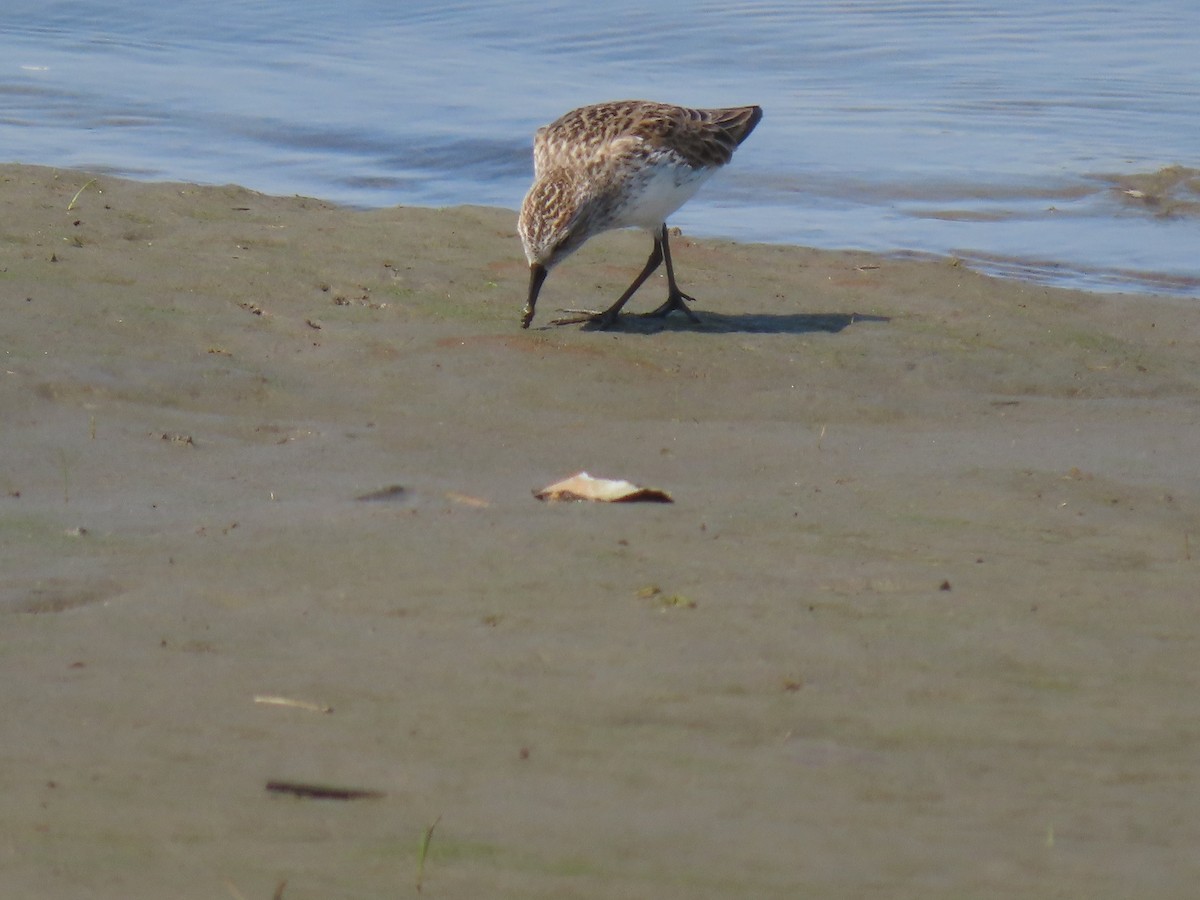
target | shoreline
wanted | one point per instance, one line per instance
(1169, 192)
(918, 621)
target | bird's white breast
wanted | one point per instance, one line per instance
(662, 187)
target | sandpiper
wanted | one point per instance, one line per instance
(616, 165)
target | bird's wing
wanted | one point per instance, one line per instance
(705, 138)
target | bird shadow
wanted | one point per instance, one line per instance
(744, 323)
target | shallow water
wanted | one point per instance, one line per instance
(997, 132)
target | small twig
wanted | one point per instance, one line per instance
(425, 839)
(271, 700)
(71, 205)
(321, 791)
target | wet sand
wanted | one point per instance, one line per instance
(921, 621)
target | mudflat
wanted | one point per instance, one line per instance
(922, 619)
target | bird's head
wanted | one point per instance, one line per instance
(550, 229)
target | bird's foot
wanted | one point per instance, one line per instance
(675, 301)
(602, 320)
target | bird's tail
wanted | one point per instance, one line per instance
(737, 121)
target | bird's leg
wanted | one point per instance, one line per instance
(608, 318)
(675, 297)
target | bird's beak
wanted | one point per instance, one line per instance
(537, 274)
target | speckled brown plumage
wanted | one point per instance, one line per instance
(619, 164)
